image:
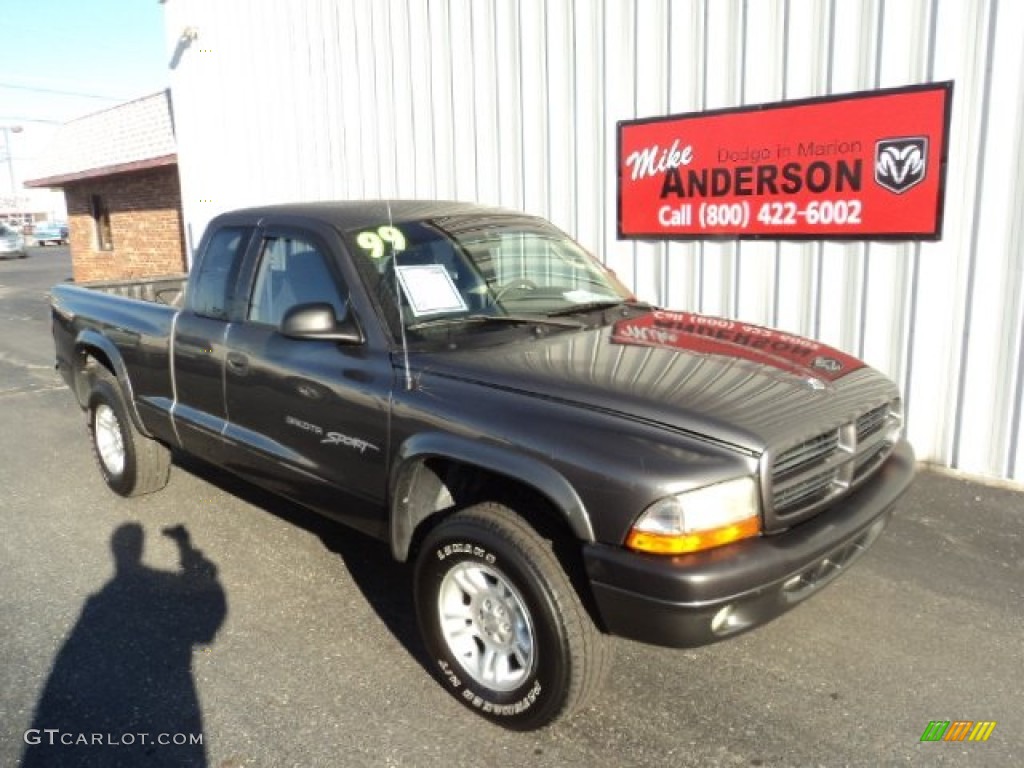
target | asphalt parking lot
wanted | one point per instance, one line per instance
(299, 648)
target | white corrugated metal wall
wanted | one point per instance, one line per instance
(515, 103)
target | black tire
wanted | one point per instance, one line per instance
(131, 463)
(541, 641)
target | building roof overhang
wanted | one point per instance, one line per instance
(62, 180)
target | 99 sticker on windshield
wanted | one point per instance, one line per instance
(867, 165)
(377, 241)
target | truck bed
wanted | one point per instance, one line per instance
(166, 289)
(125, 321)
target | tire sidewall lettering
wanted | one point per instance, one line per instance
(449, 673)
(477, 701)
(465, 548)
(504, 710)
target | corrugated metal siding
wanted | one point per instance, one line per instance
(515, 103)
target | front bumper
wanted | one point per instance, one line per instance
(697, 599)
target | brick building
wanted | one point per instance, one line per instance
(119, 172)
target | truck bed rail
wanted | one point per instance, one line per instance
(165, 289)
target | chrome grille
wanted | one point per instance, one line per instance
(872, 421)
(807, 491)
(807, 475)
(806, 453)
(866, 464)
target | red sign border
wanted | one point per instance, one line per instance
(946, 86)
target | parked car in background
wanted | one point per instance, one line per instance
(50, 232)
(12, 243)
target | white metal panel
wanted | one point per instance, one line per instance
(592, 167)
(516, 103)
(381, 57)
(560, 72)
(763, 38)
(686, 57)
(441, 89)
(938, 297)
(485, 108)
(991, 347)
(463, 85)
(534, 105)
(722, 73)
(805, 52)
(650, 98)
(619, 83)
(418, 116)
(842, 266)
(902, 47)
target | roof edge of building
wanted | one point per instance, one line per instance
(64, 179)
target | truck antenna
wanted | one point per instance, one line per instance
(398, 301)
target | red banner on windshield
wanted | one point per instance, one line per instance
(868, 165)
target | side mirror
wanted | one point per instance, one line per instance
(318, 321)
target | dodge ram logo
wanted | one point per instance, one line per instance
(900, 163)
(829, 364)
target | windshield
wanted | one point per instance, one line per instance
(437, 273)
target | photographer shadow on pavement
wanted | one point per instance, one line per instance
(121, 690)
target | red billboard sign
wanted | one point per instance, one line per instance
(867, 165)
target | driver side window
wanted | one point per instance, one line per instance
(292, 271)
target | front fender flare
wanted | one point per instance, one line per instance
(406, 515)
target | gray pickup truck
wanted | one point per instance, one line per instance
(560, 461)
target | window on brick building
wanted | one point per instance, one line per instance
(101, 223)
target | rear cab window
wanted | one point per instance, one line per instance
(212, 290)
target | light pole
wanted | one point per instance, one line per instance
(8, 130)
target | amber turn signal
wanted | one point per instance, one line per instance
(695, 541)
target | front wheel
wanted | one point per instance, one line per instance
(504, 629)
(131, 463)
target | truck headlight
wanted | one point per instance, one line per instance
(699, 519)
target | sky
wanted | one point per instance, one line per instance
(62, 59)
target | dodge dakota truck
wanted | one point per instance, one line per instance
(558, 460)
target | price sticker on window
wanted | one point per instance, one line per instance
(430, 290)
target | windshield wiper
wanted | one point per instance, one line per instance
(591, 306)
(505, 319)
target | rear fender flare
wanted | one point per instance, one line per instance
(91, 343)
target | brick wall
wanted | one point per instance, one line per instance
(145, 225)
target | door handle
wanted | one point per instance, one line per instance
(238, 363)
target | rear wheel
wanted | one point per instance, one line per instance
(506, 632)
(131, 463)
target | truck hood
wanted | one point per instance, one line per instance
(734, 383)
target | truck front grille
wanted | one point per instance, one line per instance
(809, 474)
(872, 421)
(808, 453)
